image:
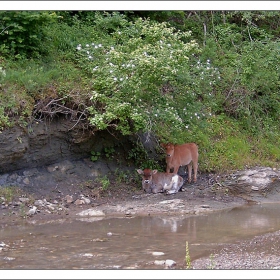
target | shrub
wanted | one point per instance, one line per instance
(21, 32)
(143, 75)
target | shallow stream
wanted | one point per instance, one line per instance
(129, 243)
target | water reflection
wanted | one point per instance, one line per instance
(121, 243)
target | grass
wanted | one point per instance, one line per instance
(188, 257)
(223, 144)
(226, 147)
(8, 194)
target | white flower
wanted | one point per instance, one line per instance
(90, 57)
(92, 44)
(96, 47)
(87, 45)
(79, 48)
(115, 79)
(2, 71)
(121, 79)
(99, 45)
(112, 48)
(111, 71)
(87, 52)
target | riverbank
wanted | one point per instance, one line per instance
(70, 199)
(67, 190)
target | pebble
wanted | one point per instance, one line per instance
(32, 211)
(24, 199)
(170, 263)
(91, 212)
(158, 253)
(157, 262)
(87, 255)
(69, 198)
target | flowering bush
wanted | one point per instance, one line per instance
(144, 78)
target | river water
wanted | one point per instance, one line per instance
(129, 243)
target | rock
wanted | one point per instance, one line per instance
(9, 258)
(52, 168)
(39, 202)
(79, 202)
(170, 263)
(157, 262)
(69, 198)
(91, 212)
(50, 207)
(24, 199)
(85, 199)
(158, 253)
(32, 211)
(26, 181)
(30, 172)
(87, 255)
(256, 177)
(176, 200)
(116, 266)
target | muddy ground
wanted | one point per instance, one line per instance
(69, 198)
(212, 192)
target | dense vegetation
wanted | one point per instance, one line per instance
(211, 77)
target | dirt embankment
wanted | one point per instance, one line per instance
(68, 189)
